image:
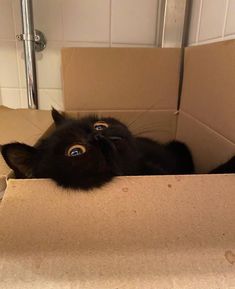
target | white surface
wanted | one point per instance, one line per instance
(230, 23)
(212, 21)
(94, 23)
(134, 21)
(195, 21)
(85, 23)
(48, 18)
(86, 20)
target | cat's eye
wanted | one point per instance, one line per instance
(100, 125)
(75, 150)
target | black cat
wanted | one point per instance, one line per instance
(90, 151)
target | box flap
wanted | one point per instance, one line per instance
(120, 78)
(207, 110)
(209, 148)
(135, 232)
(22, 125)
(209, 86)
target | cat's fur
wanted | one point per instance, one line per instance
(112, 151)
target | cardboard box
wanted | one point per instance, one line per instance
(135, 232)
(21, 125)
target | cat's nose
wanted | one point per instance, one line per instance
(98, 137)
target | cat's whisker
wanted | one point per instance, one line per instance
(147, 128)
(77, 154)
(146, 131)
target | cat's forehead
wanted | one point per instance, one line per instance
(91, 120)
(83, 126)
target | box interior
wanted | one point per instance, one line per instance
(139, 86)
(144, 88)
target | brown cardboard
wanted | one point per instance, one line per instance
(22, 125)
(139, 86)
(210, 149)
(206, 117)
(209, 86)
(136, 232)
(111, 79)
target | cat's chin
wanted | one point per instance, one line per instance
(86, 184)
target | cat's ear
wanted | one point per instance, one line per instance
(20, 158)
(57, 117)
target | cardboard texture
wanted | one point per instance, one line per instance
(209, 86)
(136, 232)
(110, 82)
(209, 148)
(22, 125)
(206, 118)
(110, 79)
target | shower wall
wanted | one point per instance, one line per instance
(92, 23)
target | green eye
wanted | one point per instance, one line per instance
(75, 150)
(101, 125)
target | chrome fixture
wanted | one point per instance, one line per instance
(34, 40)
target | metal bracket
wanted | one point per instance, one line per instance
(38, 38)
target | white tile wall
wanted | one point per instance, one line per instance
(211, 21)
(195, 21)
(48, 18)
(86, 20)
(134, 21)
(211, 10)
(85, 23)
(230, 23)
(99, 23)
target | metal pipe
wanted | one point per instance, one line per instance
(28, 38)
(161, 14)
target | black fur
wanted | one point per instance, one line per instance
(110, 152)
(226, 168)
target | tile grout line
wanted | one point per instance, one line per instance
(215, 40)
(225, 18)
(199, 22)
(110, 23)
(157, 23)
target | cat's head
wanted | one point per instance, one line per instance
(83, 153)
